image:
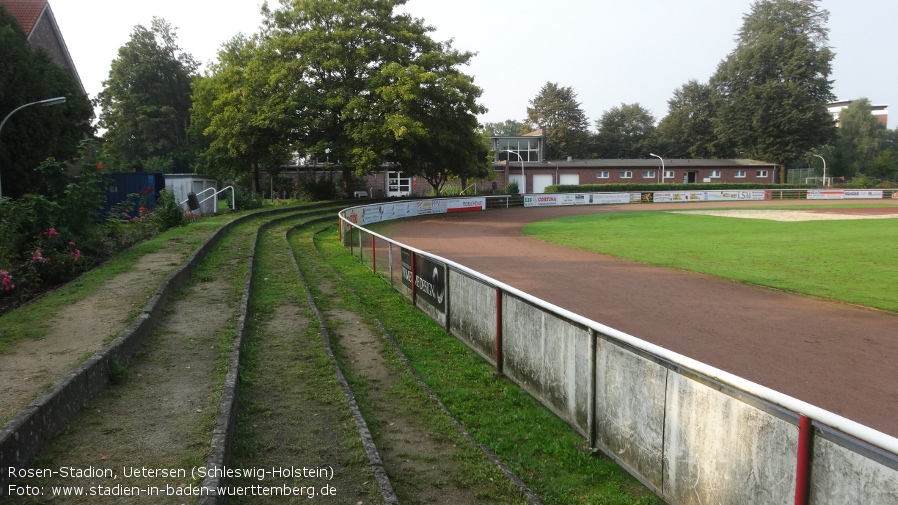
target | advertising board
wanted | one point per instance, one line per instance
(429, 279)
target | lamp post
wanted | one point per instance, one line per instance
(824, 169)
(523, 177)
(46, 103)
(660, 175)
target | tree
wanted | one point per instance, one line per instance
(507, 128)
(556, 108)
(688, 129)
(860, 137)
(236, 120)
(35, 133)
(625, 132)
(771, 91)
(145, 106)
(352, 72)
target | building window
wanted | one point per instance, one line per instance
(668, 174)
(528, 148)
(626, 174)
(715, 174)
(739, 174)
(602, 174)
(648, 174)
(762, 173)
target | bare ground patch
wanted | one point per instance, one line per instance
(79, 330)
(160, 417)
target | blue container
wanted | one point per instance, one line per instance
(134, 189)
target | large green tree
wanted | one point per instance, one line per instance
(859, 139)
(345, 74)
(35, 133)
(145, 106)
(627, 131)
(556, 107)
(236, 121)
(771, 91)
(688, 129)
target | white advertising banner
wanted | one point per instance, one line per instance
(546, 200)
(386, 211)
(720, 196)
(710, 196)
(863, 193)
(678, 196)
(826, 194)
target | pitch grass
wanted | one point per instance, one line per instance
(849, 261)
(537, 445)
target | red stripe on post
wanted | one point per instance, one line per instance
(373, 257)
(803, 460)
(499, 331)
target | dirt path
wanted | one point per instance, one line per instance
(161, 415)
(29, 367)
(839, 357)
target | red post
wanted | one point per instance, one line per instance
(373, 258)
(499, 359)
(803, 463)
(414, 278)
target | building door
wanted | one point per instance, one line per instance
(689, 177)
(541, 182)
(516, 178)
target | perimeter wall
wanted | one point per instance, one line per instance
(691, 433)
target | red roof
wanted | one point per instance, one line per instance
(27, 12)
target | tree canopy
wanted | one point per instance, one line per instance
(145, 106)
(35, 133)
(236, 122)
(625, 132)
(556, 107)
(771, 91)
(688, 129)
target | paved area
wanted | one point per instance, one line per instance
(839, 357)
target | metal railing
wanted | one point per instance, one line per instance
(691, 432)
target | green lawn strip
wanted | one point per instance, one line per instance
(539, 447)
(411, 402)
(98, 421)
(291, 407)
(850, 261)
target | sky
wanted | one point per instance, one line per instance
(610, 52)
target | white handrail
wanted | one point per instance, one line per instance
(845, 425)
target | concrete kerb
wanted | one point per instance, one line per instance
(374, 459)
(24, 435)
(225, 421)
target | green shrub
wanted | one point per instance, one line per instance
(168, 213)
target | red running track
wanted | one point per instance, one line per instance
(836, 356)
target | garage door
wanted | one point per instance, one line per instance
(572, 179)
(541, 182)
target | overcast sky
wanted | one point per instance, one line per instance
(609, 51)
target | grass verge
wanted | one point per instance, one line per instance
(538, 446)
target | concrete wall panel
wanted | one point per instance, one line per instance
(630, 409)
(840, 475)
(472, 313)
(549, 357)
(721, 450)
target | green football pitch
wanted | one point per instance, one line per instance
(853, 261)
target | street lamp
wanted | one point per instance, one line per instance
(46, 103)
(523, 177)
(824, 169)
(660, 175)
